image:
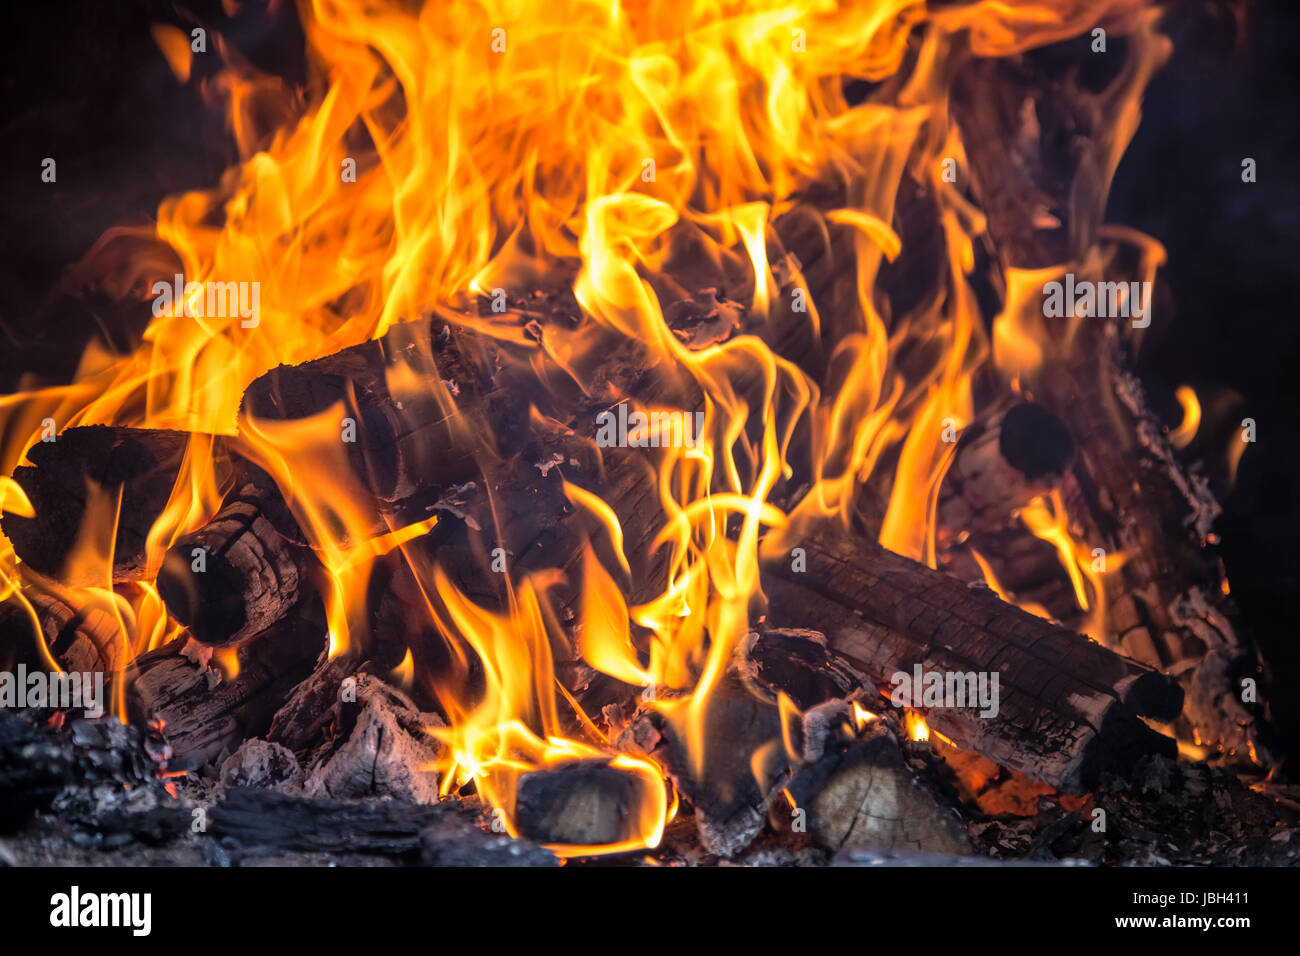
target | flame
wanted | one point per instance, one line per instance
(915, 727)
(1049, 521)
(1182, 436)
(440, 153)
(862, 716)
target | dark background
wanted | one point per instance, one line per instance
(82, 81)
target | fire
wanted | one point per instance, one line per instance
(915, 727)
(443, 152)
(1182, 436)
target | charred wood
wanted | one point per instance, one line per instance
(241, 572)
(138, 466)
(1067, 707)
(205, 715)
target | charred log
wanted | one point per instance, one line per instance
(136, 467)
(205, 715)
(243, 571)
(1067, 707)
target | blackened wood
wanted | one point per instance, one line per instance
(744, 765)
(142, 465)
(243, 571)
(1127, 488)
(261, 822)
(311, 705)
(79, 631)
(1066, 704)
(1002, 464)
(37, 761)
(203, 714)
(414, 399)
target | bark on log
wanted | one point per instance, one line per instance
(1127, 488)
(204, 715)
(141, 465)
(1067, 707)
(243, 571)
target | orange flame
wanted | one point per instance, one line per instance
(442, 153)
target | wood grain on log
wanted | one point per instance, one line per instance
(243, 571)
(1001, 465)
(1067, 706)
(204, 715)
(865, 796)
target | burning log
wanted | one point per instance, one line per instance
(1066, 706)
(582, 803)
(139, 466)
(404, 440)
(312, 704)
(746, 762)
(744, 766)
(1003, 464)
(389, 751)
(243, 571)
(205, 715)
(1126, 486)
(82, 636)
(865, 796)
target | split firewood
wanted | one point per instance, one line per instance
(243, 571)
(864, 796)
(581, 803)
(744, 766)
(138, 466)
(747, 745)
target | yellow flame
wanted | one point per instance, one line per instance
(440, 153)
(1182, 436)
